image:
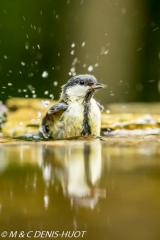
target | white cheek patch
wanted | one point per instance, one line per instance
(77, 91)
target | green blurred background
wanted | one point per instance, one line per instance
(44, 43)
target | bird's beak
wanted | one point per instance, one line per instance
(96, 86)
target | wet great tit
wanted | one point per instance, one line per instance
(76, 113)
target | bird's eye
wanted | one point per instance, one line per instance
(81, 82)
(47, 129)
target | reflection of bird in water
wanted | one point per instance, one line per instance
(76, 113)
(77, 168)
(91, 172)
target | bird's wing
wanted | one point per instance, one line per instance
(101, 107)
(62, 106)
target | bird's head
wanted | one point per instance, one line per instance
(80, 87)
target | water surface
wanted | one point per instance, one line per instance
(109, 190)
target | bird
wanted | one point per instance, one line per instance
(76, 113)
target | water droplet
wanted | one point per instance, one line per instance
(51, 96)
(46, 92)
(45, 103)
(55, 83)
(73, 45)
(45, 74)
(23, 63)
(9, 84)
(155, 29)
(27, 45)
(39, 114)
(90, 68)
(72, 69)
(72, 52)
(30, 87)
(75, 60)
(83, 44)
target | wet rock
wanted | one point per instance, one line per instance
(25, 115)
